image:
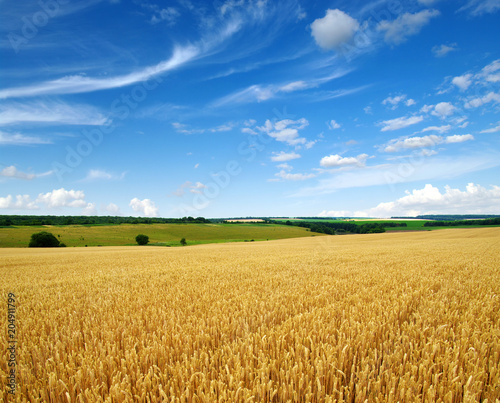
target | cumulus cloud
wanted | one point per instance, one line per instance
(480, 101)
(336, 161)
(144, 207)
(285, 130)
(398, 30)
(432, 140)
(62, 198)
(332, 125)
(334, 29)
(283, 156)
(396, 100)
(20, 202)
(400, 123)
(462, 82)
(443, 50)
(443, 110)
(475, 199)
(112, 208)
(335, 213)
(13, 172)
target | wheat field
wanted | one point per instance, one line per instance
(400, 317)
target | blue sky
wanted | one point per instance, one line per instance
(250, 108)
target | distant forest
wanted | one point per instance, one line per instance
(489, 221)
(20, 220)
(451, 217)
(337, 228)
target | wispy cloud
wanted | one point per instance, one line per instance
(18, 139)
(432, 140)
(99, 174)
(80, 84)
(400, 123)
(13, 173)
(53, 112)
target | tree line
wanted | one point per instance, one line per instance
(26, 220)
(335, 228)
(489, 221)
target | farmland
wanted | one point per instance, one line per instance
(382, 317)
(159, 234)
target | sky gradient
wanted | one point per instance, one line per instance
(250, 108)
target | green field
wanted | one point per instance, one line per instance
(159, 234)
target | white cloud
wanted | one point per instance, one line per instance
(332, 125)
(21, 202)
(283, 174)
(295, 86)
(491, 72)
(492, 130)
(458, 138)
(412, 169)
(462, 82)
(334, 161)
(80, 84)
(334, 213)
(197, 187)
(398, 30)
(443, 110)
(98, 174)
(13, 172)
(285, 130)
(400, 123)
(368, 110)
(394, 101)
(475, 199)
(285, 166)
(334, 29)
(479, 7)
(432, 140)
(168, 15)
(89, 209)
(410, 102)
(50, 112)
(112, 209)
(443, 50)
(62, 198)
(396, 145)
(18, 139)
(196, 166)
(427, 2)
(480, 101)
(439, 129)
(283, 156)
(144, 207)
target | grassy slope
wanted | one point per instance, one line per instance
(161, 234)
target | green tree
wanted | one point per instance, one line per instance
(183, 242)
(43, 240)
(142, 239)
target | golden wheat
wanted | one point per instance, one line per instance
(377, 318)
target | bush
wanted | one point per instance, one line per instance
(43, 240)
(142, 239)
(183, 242)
